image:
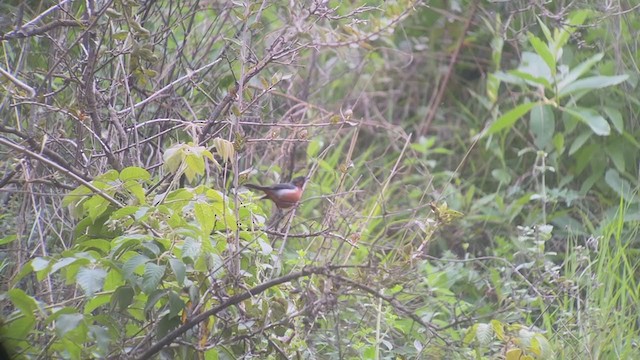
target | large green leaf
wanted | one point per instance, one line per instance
(543, 50)
(508, 119)
(579, 70)
(596, 122)
(153, 274)
(542, 125)
(592, 83)
(91, 280)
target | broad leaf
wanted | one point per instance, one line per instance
(596, 122)
(153, 274)
(507, 120)
(91, 280)
(592, 83)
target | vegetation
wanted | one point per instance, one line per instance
(473, 174)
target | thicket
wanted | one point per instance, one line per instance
(473, 174)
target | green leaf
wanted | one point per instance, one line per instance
(579, 70)
(130, 266)
(545, 30)
(123, 297)
(96, 206)
(67, 322)
(8, 239)
(21, 327)
(618, 184)
(596, 122)
(135, 188)
(507, 120)
(205, 217)
(615, 117)
(179, 269)
(39, 264)
(194, 166)
(95, 303)
(134, 173)
(113, 280)
(592, 83)
(176, 304)
(91, 280)
(492, 87)
(542, 125)
(101, 245)
(74, 196)
(313, 148)
(579, 141)
(536, 67)
(152, 276)
(543, 50)
(616, 151)
(173, 157)
(123, 212)
(27, 304)
(224, 148)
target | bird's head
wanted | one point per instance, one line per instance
(299, 181)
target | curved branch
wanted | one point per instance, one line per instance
(230, 302)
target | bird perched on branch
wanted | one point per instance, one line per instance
(284, 195)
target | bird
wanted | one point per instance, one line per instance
(284, 195)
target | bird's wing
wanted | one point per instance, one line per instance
(285, 186)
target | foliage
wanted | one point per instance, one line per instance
(473, 173)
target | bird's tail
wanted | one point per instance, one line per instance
(255, 187)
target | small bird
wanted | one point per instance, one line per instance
(284, 195)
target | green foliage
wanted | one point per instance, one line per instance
(473, 179)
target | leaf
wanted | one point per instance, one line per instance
(39, 264)
(20, 299)
(619, 185)
(95, 303)
(484, 334)
(134, 187)
(134, 173)
(579, 141)
(176, 304)
(579, 70)
(616, 151)
(545, 30)
(179, 269)
(173, 157)
(194, 166)
(67, 322)
(91, 280)
(130, 266)
(507, 120)
(20, 327)
(543, 50)
(596, 122)
(592, 83)
(536, 67)
(224, 148)
(492, 87)
(123, 297)
(123, 212)
(615, 117)
(153, 274)
(542, 125)
(96, 206)
(205, 217)
(8, 239)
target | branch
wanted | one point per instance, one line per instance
(17, 82)
(65, 171)
(234, 300)
(22, 33)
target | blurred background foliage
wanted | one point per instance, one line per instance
(473, 175)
